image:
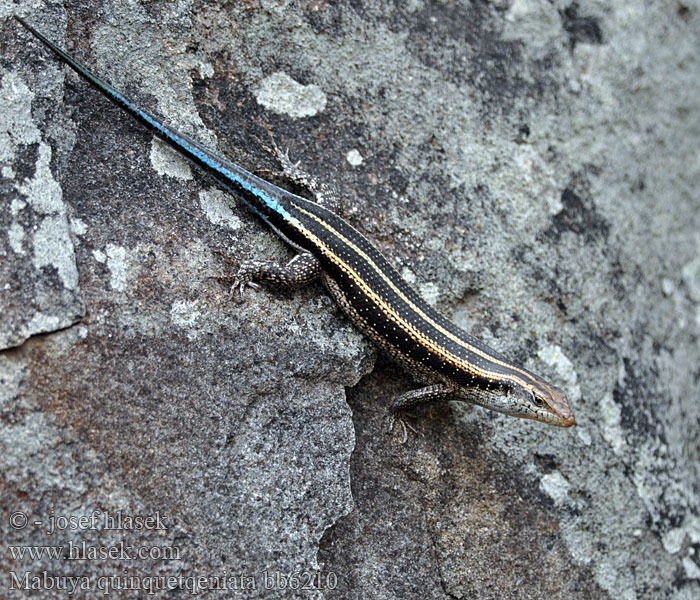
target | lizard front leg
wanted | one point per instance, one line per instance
(321, 193)
(430, 393)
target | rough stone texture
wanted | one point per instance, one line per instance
(531, 166)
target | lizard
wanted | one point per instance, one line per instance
(451, 363)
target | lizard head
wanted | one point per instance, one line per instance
(542, 402)
(534, 399)
(552, 406)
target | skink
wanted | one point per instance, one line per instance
(454, 364)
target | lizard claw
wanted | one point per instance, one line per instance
(242, 280)
(239, 286)
(284, 159)
(404, 427)
(273, 149)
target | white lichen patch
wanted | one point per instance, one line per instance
(167, 161)
(673, 540)
(685, 538)
(53, 247)
(430, 292)
(16, 235)
(118, 265)
(408, 275)
(563, 367)
(184, 313)
(691, 277)
(555, 486)
(667, 286)
(16, 206)
(584, 435)
(42, 190)
(354, 157)
(534, 173)
(537, 22)
(16, 125)
(51, 240)
(44, 322)
(37, 231)
(581, 543)
(611, 413)
(206, 70)
(78, 226)
(216, 207)
(285, 96)
(692, 571)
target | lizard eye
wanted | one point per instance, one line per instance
(537, 401)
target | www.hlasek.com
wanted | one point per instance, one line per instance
(108, 584)
(85, 551)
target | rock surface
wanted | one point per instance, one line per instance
(531, 167)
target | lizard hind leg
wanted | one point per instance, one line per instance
(298, 272)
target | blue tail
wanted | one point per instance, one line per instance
(262, 196)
